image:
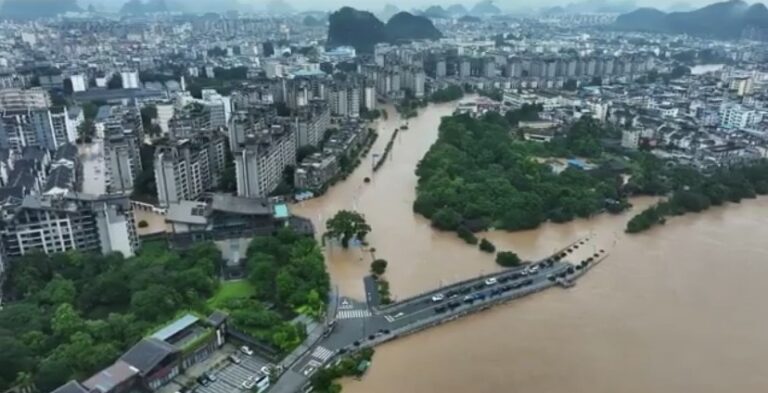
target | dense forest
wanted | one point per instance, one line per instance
(71, 314)
(477, 175)
(481, 174)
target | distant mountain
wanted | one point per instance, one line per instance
(311, 21)
(362, 30)
(406, 26)
(641, 19)
(435, 11)
(139, 7)
(359, 29)
(32, 9)
(724, 20)
(485, 7)
(457, 10)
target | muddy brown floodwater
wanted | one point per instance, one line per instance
(680, 308)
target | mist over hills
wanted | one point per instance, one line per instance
(30, 9)
(724, 20)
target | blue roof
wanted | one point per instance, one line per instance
(175, 327)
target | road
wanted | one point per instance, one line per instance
(358, 324)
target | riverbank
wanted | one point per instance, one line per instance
(656, 316)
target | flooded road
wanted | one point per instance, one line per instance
(677, 309)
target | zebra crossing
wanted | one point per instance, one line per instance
(322, 353)
(348, 314)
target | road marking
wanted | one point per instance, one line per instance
(322, 353)
(389, 318)
(348, 314)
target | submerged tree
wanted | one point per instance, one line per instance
(345, 226)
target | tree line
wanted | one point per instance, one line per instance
(692, 191)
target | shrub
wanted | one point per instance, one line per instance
(487, 246)
(143, 224)
(378, 267)
(467, 235)
(507, 259)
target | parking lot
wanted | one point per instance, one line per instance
(231, 377)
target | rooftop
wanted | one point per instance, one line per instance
(240, 205)
(147, 354)
(188, 212)
(175, 327)
(110, 377)
(71, 387)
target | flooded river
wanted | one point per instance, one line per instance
(677, 309)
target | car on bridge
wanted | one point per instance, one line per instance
(438, 298)
(491, 281)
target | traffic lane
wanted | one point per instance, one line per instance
(477, 284)
(427, 307)
(428, 295)
(461, 305)
(559, 255)
(474, 288)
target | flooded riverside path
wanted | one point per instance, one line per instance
(676, 309)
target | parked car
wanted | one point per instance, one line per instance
(248, 351)
(234, 359)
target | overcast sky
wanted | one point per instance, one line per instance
(410, 4)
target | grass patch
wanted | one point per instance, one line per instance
(231, 290)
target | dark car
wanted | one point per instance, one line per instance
(440, 309)
(203, 380)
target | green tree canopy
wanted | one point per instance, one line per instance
(345, 226)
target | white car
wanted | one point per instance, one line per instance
(491, 281)
(265, 370)
(438, 298)
(248, 351)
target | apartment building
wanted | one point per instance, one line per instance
(311, 123)
(185, 169)
(71, 221)
(261, 162)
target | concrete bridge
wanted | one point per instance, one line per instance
(365, 324)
